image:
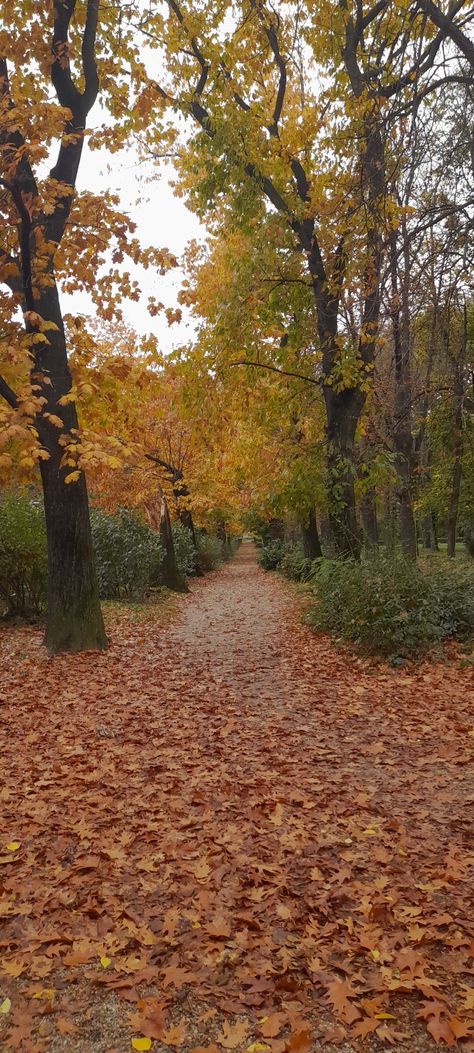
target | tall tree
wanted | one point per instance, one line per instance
(35, 221)
(307, 136)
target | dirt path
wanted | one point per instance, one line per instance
(230, 833)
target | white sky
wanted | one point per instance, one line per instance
(162, 221)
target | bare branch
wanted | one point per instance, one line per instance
(449, 28)
(274, 369)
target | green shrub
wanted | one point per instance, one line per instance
(469, 538)
(23, 555)
(453, 592)
(185, 552)
(271, 554)
(210, 552)
(128, 554)
(392, 608)
(295, 565)
(287, 557)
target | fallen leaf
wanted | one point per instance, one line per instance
(233, 1035)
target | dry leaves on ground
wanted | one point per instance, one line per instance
(225, 834)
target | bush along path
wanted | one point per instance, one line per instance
(227, 835)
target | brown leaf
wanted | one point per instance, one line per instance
(273, 1025)
(175, 1035)
(66, 1026)
(233, 1035)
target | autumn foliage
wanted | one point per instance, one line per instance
(301, 881)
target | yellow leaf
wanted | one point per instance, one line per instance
(72, 477)
(105, 962)
(384, 1016)
(257, 1047)
(5, 1006)
(45, 992)
(53, 419)
(13, 846)
(141, 1043)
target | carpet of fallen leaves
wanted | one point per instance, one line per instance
(225, 834)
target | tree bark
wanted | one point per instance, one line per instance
(428, 540)
(311, 542)
(74, 619)
(368, 514)
(343, 410)
(458, 449)
(403, 439)
(172, 577)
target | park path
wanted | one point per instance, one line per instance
(229, 832)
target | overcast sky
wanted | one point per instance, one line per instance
(162, 220)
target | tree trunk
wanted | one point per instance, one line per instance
(181, 491)
(74, 620)
(454, 504)
(403, 439)
(428, 539)
(224, 538)
(327, 542)
(435, 532)
(311, 542)
(458, 450)
(368, 514)
(172, 577)
(343, 409)
(389, 521)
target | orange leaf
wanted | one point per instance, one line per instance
(175, 1035)
(272, 1026)
(233, 1035)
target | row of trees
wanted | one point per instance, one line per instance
(328, 148)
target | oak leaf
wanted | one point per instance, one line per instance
(272, 1025)
(233, 1035)
(175, 1035)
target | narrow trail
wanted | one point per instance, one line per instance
(235, 630)
(224, 820)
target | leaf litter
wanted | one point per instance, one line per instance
(226, 834)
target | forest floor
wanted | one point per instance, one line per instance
(228, 834)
